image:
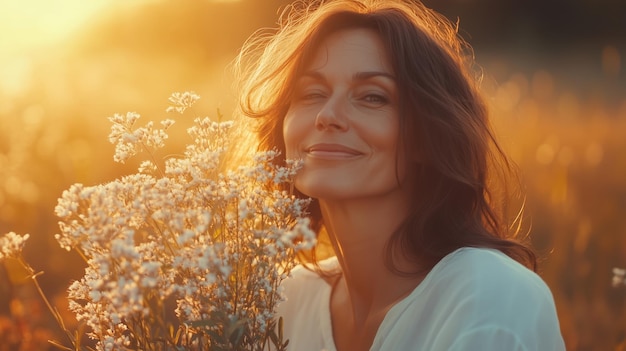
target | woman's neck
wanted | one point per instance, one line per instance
(359, 232)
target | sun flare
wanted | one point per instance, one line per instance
(32, 24)
(26, 24)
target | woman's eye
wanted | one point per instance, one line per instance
(376, 99)
(311, 96)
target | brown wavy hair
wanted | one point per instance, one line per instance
(459, 199)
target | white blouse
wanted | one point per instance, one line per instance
(473, 299)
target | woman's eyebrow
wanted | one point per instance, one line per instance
(314, 75)
(359, 76)
(372, 74)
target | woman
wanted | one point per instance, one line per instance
(378, 99)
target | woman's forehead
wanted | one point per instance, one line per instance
(358, 49)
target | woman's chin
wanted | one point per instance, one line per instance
(322, 191)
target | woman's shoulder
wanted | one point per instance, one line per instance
(487, 287)
(489, 271)
(477, 285)
(482, 296)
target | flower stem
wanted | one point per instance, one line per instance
(54, 311)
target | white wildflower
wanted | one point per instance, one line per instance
(166, 123)
(182, 101)
(217, 243)
(128, 141)
(147, 167)
(619, 276)
(12, 244)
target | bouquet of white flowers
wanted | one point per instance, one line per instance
(186, 255)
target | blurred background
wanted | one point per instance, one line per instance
(555, 74)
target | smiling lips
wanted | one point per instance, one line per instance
(331, 151)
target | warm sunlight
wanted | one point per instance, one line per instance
(25, 24)
(29, 24)
(76, 74)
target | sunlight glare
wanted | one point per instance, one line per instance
(29, 24)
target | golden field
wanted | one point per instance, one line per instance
(562, 117)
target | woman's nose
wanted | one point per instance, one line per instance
(332, 116)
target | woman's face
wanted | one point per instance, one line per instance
(343, 120)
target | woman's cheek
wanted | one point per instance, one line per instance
(289, 137)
